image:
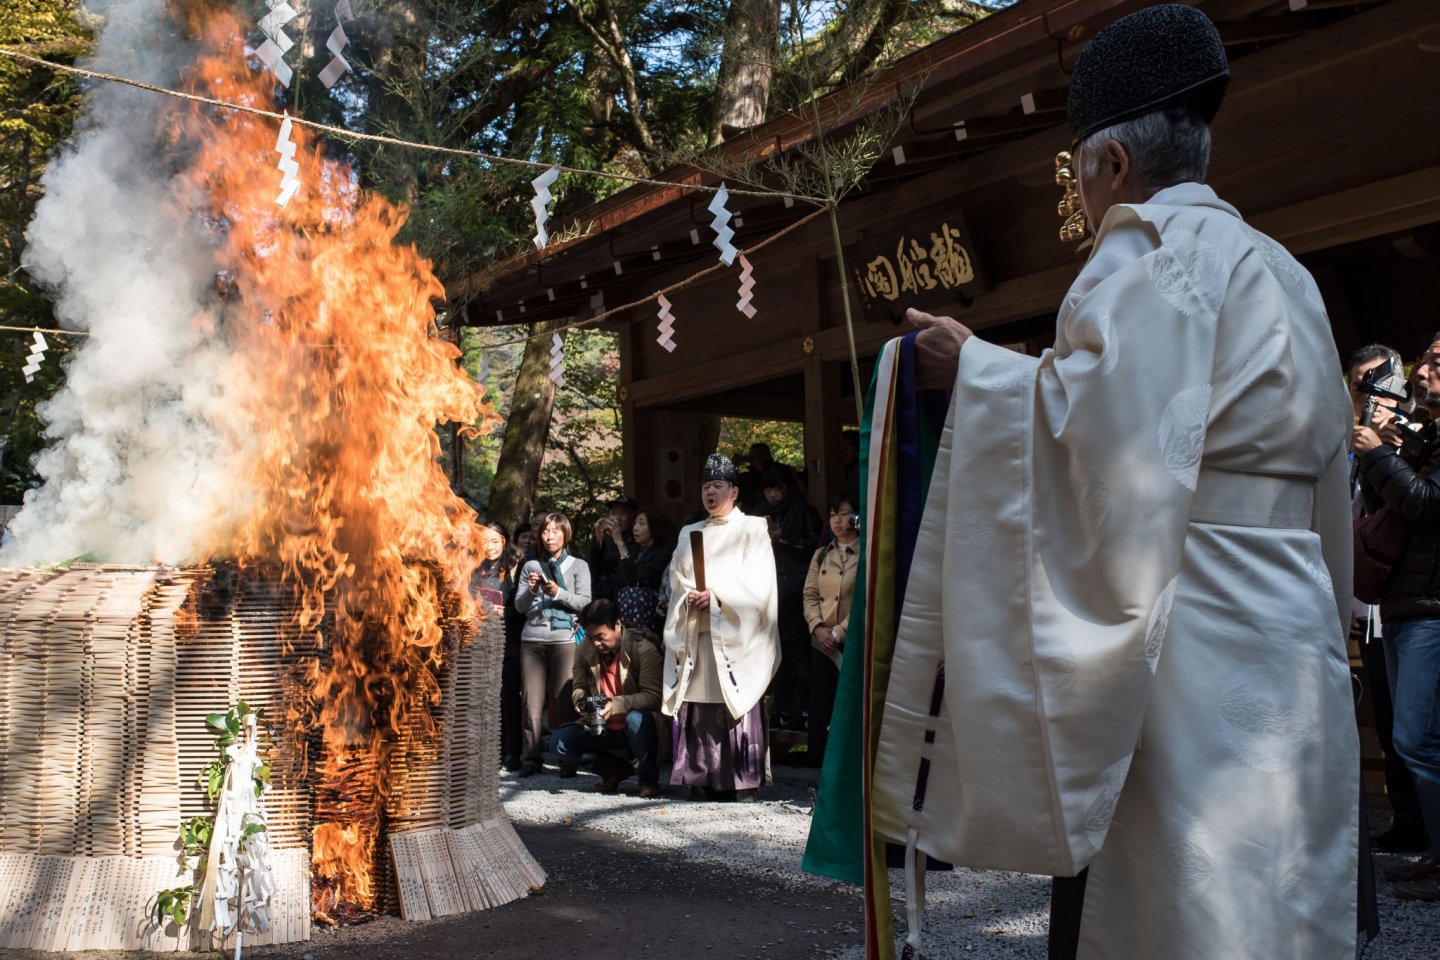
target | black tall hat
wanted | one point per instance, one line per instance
(1159, 57)
(719, 467)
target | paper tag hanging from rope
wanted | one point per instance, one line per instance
(338, 66)
(277, 41)
(667, 325)
(557, 361)
(542, 185)
(721, 226)
(38, 346)
(289, 169)
(747, 284)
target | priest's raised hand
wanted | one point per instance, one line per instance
(937, 349)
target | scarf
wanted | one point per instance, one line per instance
(898, 437)
(559, 618)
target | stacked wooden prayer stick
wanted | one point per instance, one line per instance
(107, 674)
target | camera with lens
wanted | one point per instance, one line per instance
(591, 705)
(1386, 382)
(855, 522)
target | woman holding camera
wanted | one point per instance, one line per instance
(550, 592)
(828, 588)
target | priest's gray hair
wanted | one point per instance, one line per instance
(1165, 148)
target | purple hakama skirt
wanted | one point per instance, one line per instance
(713, 749)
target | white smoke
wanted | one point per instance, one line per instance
(132, 471)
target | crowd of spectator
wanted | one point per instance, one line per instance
(1396, 451)
(586, 642)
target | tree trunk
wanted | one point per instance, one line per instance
(518, 471)
(747, 67)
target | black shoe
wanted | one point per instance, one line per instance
(511, 763)
(1421, 869)
(529, 768)
(1396, 840)
(567, 772)
(747, 796)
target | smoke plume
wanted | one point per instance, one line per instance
(133, 470)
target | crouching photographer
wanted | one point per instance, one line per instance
(1398, 563)
(616, 689)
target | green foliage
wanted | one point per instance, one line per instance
(786, 440)
(583, 464)
(173, 904)
(37, 109)
(196, 833)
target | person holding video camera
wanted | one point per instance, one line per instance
(1403, 481)
(615, 688)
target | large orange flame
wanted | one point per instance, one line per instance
(342, 377)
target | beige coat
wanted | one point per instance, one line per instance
(829, 586)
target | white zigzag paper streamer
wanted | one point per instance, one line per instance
(338, 66)
(277, 41)
(747, 284)
(557, 361)
(721, 226)
(542, 185)
(289, 169)
(36, 356)
(667, 325)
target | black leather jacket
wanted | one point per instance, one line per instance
(1413, 589)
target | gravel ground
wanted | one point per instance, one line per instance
(970, 914)
(632, 879)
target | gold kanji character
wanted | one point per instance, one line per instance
(951, 259)
(880, 279)
(915, 274)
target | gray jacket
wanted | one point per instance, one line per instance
(572, 599)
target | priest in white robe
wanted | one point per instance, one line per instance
(1132, 576)
(721, 643)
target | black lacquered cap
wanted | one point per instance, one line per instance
(1160, 57)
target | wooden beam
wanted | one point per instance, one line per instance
(1399, 203)
(1371, 210)
(1014, 299)
(758, 407)
(1390, 24)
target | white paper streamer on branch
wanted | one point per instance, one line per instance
(337, 67)
(289, 169)
(277, 41)
(667, 325)
(38, 346)
(557, 362)
(542, 185)
(721, 226)
(238, 883)
(747, 284)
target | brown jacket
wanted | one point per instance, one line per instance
(640, 669)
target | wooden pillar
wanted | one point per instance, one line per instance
(824, 453)
(637, 435)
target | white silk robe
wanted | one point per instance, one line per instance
(738, 630)
(1127, 566)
